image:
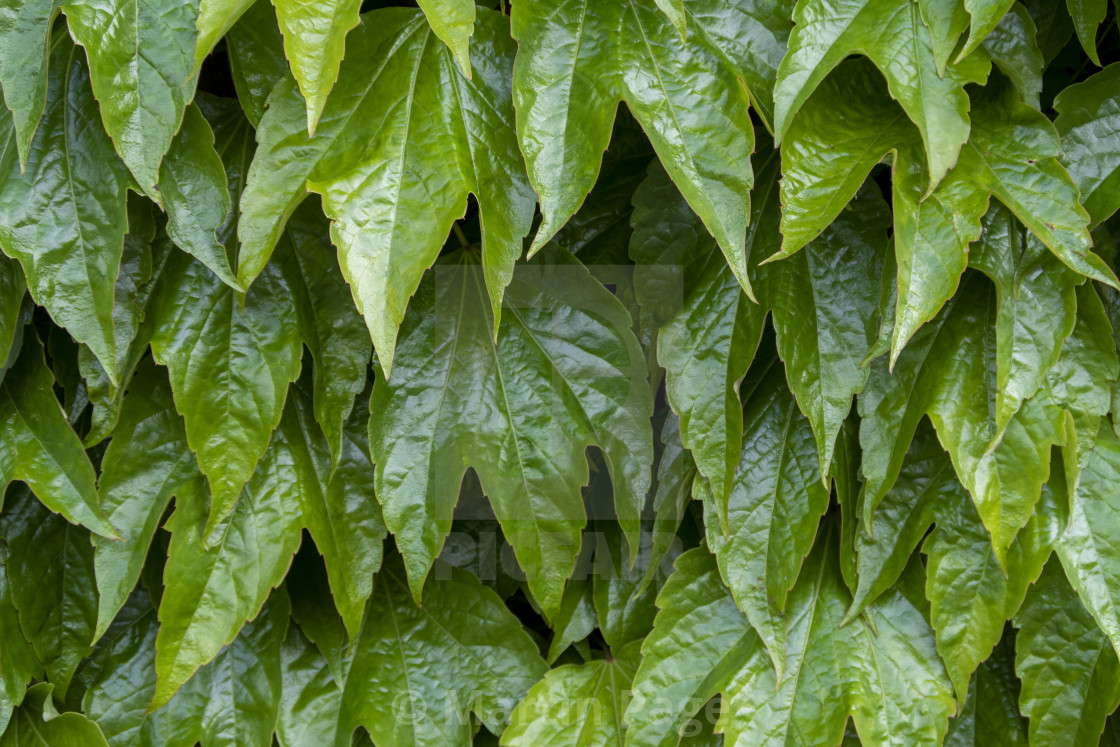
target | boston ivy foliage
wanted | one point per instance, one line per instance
(551, 373)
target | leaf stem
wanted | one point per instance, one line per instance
(458, 231)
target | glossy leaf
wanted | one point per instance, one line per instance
(38, 724)
(25, 31)
(453, 22)
(564, 374)
(389, 228)
(140, 57)
(38, 446)
(63, 216)
(471, 649)
(1086, 121)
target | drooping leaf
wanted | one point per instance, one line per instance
(230, 362)
(215, 18)
(147, 462)
(453, 22)
(388, 227)
(315, 43)
(776, 501)
(881, 671)
(140, 59)
(990, 716)
(211, 592)
(39, 724)
(1070, 674)
(576, 62)
(49, 566)
(194, 192)
(38, 446)
(19, 665)
(1087, 17)
(14, 312)
(309, 697)
(576, 706)
(25, 31)
(1086, 545)
(985, 17)
(64, 216)
(473, 651)
(329, 324)
(256, 58)
(894, 37)
(565, 373)
(1087, 122)
(1013, 47)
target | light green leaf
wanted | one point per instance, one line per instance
(210, 593)
(146, 463)
(315, 43)
(38, 446)
(576, 62)
(1086, 545)
(946, 20)
(894, 37)
(453, 22)
(472, 651)
(1087, 17)
(576, 706)
(990, 717)
(215, 18)
(1087, 123)
(140, 60)
(230, 362)
(985, 15)
(25, 33)
(777, 499)
(49, 567)
(565, 373)
(329, 324)
(64, 216)
(388, 226)
(1071, 677)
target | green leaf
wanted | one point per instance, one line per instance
(894, 37)
(231, 702)
(309, 698)
(211, 592)
(576, 62)
(576, 706)
(50, 574)
(946, 22)
(14, 312)
(140, 62)
(38, 446)
(230, 362)
(699, 305)
(19, 665)
(193, 188)
(256, 58)
(824, 302)
(1086, 546)
(881, 671)
(64, 216)
(1070, 674)
(986, 15)
(215, 18)
(339, 508)
(147, 462)
(453, 22)
(1087, 123)
(565, 373)
(624, 603)
(329, 324)
(388, 226)
(971, 596)
(990, 716)
(673, 484)
(1013, 46)
(472, 651)
(777, 499)
(314, 43)
(1087, 17)
(948, 371)
(38, 724)
(25, 33)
